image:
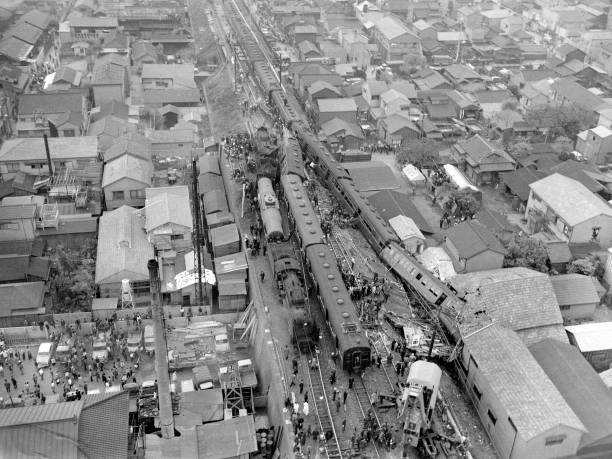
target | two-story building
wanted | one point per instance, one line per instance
(569, 210)
(91, 29)
(57, 114)
(371, 92)
(77, 156)
(168, 218)
(328, 109)
(595, 145)
(124, 181)
(481, 160)
(122, 255)
(110, 79)
(395, 40)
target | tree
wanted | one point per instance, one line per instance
(589, 266)
(420, 152)
(563, 120)
(460, 205)
(526, 252)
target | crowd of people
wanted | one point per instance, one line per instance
(74, 371)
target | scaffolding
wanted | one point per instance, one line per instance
(232, 386)
(49, 216)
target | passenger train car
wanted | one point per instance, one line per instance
(269, 210)
(340, 313)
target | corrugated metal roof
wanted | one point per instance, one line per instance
(123, 247)
(60, 148)
(527, 395)
(345, 104)
(127, 167)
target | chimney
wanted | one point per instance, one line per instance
(48, 155)
(166, 418)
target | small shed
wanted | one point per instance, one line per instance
(414, 175)
(576, 295)
(232, 295)
(594, 341)
(559, 255)
(409, 233)
(225, 240)
(232, 267)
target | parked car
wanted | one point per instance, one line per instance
(45, 352)
(135, 342)
(100, 349)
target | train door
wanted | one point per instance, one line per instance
(357, 362)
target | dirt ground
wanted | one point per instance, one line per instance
(225, 115)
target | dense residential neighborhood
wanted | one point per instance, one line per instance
(307, 229)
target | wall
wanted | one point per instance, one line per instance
(508, 443)
(584, 231)
(126, 185)
(485, 260)
(107, 93)
(349, 117)
(578, 311)
(269, 373)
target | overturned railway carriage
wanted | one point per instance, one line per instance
(269, 210)
(291, 156)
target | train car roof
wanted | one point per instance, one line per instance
(305, 218)
(292, 157)
(325, 156)
(209, 164)
(215, 201)
(370, 212)
(289, 111)
(210, 182)
(340, 309)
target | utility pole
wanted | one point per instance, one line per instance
(198, 229)
(235, 69)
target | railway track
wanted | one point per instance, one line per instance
(321, 406)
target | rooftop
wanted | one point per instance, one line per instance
(60, 147)
(471, 238)
(180, 74)
(25, 32)
(94, 22)
(123, 247)
(577, 94)
(481, 151)
(519, 180)
(527, 395)
(230, 438)
(20, 298)
(15, 49)
(517, 298)
(320, 85)
(570, 199)
(569, 370)
(171, 96)
(337, 105)
(391, 203)
(572, 289)
(127, 167)
(129, 144)
(592, 336)
(167, 205)
(57, 102)
(391, 28)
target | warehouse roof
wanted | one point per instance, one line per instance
(123, 247)
(527, 395)
(518, 298)
(570, 199)
(581, 387)
(67, 429)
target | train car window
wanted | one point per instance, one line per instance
(418, 276)
(349, 328)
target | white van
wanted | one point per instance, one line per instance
(43, 357)
(221, 343)
(149, 339)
